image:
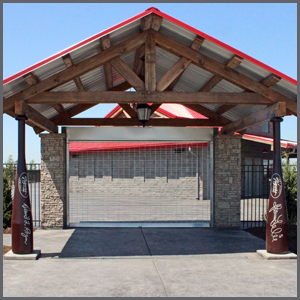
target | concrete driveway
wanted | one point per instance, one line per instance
(152, 262)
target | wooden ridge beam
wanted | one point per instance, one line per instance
(77, 70)
(275, 110)
(232, 63)
(21, 108)
(223, 71)
(149, 97)
(135, 122)
(174, 74)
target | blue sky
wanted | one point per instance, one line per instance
(35, 31)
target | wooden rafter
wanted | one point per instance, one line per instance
(275, 110)
(31, 79)
(171, 78)
(73, 111)
(135, 122)
(149, 97)
(128, 109)
(77, 70)
(232, 63)
(268, 81)
(223, 71)
(21, 108)
(154, 107)
(208, 113)
(127, 73)
(105, 44)
(68, 61)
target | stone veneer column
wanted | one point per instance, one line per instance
(227, 180)
(53, 187)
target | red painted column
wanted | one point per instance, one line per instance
(22, 229)
(277, 221)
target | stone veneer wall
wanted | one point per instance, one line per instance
(227, 180)
(53, 193)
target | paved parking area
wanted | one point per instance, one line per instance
(152, 262)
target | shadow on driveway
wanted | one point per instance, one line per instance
(104, 242)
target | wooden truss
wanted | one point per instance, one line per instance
(142, 77)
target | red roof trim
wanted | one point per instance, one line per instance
(113, 111)
(80, 44)
(171, 19)
(225, 46)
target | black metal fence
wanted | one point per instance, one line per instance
(255, 194)
(33, 173)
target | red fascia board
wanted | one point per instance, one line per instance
(223, 45)
(76, 46)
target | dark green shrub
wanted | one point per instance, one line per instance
(7, 203)
(290, 182)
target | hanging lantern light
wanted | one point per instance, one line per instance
(143, 112)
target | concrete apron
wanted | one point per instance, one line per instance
(126, 242)
(149, 262)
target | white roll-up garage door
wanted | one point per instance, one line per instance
(138, 183)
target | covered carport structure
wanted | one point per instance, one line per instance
(164, 61)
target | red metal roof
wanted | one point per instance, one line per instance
(148, 11)
(91, 147)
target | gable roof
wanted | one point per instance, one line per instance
(191, 80)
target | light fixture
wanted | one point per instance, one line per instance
(143, 112)
(265, 151)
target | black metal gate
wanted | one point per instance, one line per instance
(34, 183)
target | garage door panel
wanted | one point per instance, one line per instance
(160, 182)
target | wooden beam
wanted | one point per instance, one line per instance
(275, 110)
(150, 63)
(268, 81)
(232, 63)
(128, 74)
(135, 122)
(21, 108)
(77, 70)
(149, 97)
(68, 61)
(208, 113)
(105, 44)
(139, 60)
(30, 78)
(174, 74)
(223, 71)
(128, 109)
(222, 109)
(154, 107)
(71, 112)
